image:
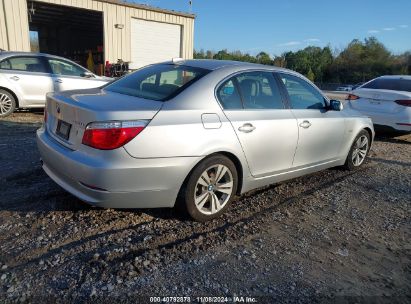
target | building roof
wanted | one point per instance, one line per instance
(148, 7)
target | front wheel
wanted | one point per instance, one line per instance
(210, 188)
(359, 151)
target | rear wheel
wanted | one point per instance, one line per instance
(359, 150)
(7, 103)
(210, 188)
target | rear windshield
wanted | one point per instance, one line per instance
(389, 84)
(157, 82)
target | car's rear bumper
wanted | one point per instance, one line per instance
(114, 182)
(400, 121)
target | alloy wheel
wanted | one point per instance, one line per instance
(6, 104)
(360, 150)
(213, 189)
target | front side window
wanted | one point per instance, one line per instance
(60, 67)
(259, 90)
(157, 82)
(26, 64)
(302, 95)
(389, 84)
(228, 95)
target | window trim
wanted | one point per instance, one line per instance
(40, 58)
(326, 100)
(234, 75)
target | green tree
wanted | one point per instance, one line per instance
(310, 75)
(264, 58)
(358, 62)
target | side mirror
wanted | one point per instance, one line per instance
(336, 105)
(87, 75)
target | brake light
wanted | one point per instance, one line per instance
(405, 103)
(112, 134)
(352, 97)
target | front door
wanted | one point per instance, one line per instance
(267, 131)
(69, 76)
(321, 131)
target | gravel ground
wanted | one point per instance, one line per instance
(331, 236)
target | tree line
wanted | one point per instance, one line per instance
(360, 61)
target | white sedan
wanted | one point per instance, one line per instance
(387, 100)
(26, 78)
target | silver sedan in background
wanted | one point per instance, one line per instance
(195, 133)
(26, 78)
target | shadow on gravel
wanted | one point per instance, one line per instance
(163, 242)
(244, 220)
(390, 162)
(391, 136)
(35, 111)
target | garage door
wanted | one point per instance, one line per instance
(153, 42)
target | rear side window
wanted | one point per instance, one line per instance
(389, 84)
(302, 95)
(259, 90)
(157, 82)
(26, 64)
(251, 90)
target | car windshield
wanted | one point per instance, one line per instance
(389, 84)
(157, 82)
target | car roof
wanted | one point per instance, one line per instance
(5, 54)
(213, 64)
(407, 77)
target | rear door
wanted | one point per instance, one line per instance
(320, 131)
(28, 77)
(266, 129)
(69, 76)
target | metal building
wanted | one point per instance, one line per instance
(107, 29)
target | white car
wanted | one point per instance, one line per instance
(344, 88)
(387, 100)
(26, 78)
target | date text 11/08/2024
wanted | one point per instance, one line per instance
(234, 299)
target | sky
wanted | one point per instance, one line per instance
(276, 26)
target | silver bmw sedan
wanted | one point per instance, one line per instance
(195, 133)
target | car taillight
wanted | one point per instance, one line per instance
(405, 102)
(352, 97)
(112, 134)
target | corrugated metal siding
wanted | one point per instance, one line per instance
(117, 41)
(14, 25)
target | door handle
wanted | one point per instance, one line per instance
(246, 128)
(59, 80)
(15, 78)
(305, 124)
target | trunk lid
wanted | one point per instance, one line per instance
(68, 113)
(378, 100)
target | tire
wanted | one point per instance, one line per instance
(7, 103)
(359, 151)
(202, 196)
